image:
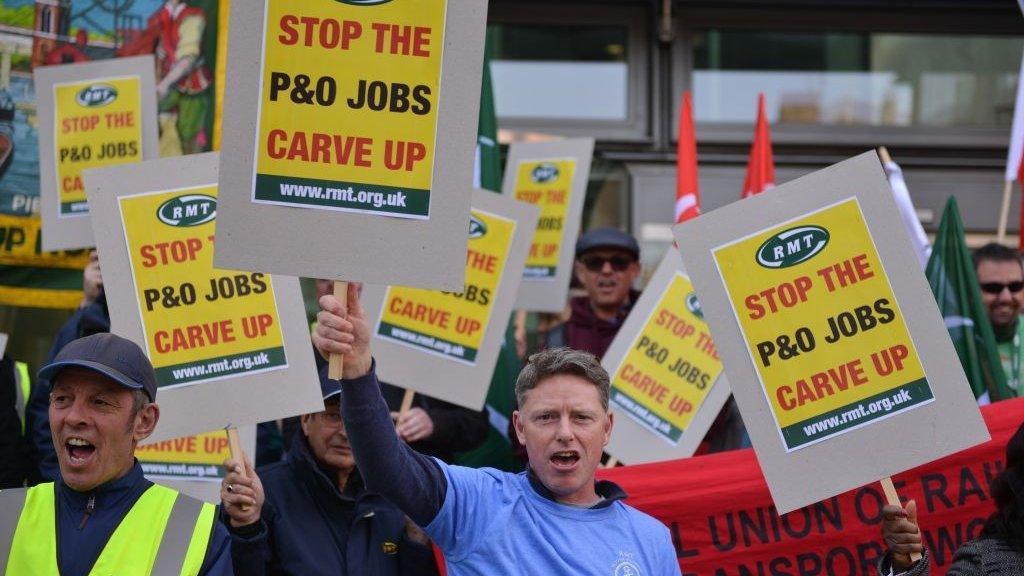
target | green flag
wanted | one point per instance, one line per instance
(951, 275)
(487, 172)
(496, 452)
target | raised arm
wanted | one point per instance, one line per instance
(410, 480)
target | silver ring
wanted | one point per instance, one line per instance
(230, 488)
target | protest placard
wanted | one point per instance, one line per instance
(667, 382)
(445, 344)
(90, 114)
(354, 121)
(831, 338)
(193, 464)
(553, 175)
(228, 346)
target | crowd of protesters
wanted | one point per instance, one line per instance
(361, 488)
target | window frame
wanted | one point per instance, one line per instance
(636, 128)
(900, 21)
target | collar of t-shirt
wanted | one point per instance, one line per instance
(608, 492)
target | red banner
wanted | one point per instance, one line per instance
(723, 523)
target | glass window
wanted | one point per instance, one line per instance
(560, 72)
(856, 79)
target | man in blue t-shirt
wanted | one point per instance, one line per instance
(552, 519)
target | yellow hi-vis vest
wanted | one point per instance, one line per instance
(164, 534)
(23, 389)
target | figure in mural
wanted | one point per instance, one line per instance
(174, 34)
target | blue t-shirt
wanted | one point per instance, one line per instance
(494, 523)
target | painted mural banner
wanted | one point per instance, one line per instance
(47, 34)
(829, 333)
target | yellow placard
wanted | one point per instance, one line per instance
(822, 324)
(97, 123)
(445, 323)
(671, 364)
(201, 323)
(348, 109)
(191, 457)
(548, 184)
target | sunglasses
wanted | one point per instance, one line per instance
(998, 287)
(596, 263)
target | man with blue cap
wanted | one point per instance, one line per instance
(102, 516)
(311, 514)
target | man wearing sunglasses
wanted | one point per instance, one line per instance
(1001, 277)
(607, 264)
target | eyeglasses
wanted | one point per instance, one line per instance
(998, 287)
(596, 263)
(332, 417)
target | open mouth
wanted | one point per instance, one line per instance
(79, 450)
(566, 459)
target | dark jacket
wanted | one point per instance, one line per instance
(81, 538)
(456, 429)
(585, 331)
(13, 444)
(982, 557)
(308, 528)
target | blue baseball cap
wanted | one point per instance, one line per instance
(607, 238)
(115, 357)
(329, 388)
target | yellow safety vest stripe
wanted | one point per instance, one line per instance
(131, 549)
(25, 385)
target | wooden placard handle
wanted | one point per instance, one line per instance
(612, 462)
(884, 155)
(893, 499)
(406, 402)
(235, 445)
(336, 362)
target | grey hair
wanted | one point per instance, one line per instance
(557, 361)
(139, 401)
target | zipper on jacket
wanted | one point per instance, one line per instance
(90, 506)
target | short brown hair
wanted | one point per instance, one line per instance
(557, 361)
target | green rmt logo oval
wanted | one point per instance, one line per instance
(792, 246)
(544, 172)
(96, 95)
(693, 305)
(188, 210)
(477, 228)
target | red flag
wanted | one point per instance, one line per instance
(687, 193)
(761, 166)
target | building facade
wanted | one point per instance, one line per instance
(932, 80)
